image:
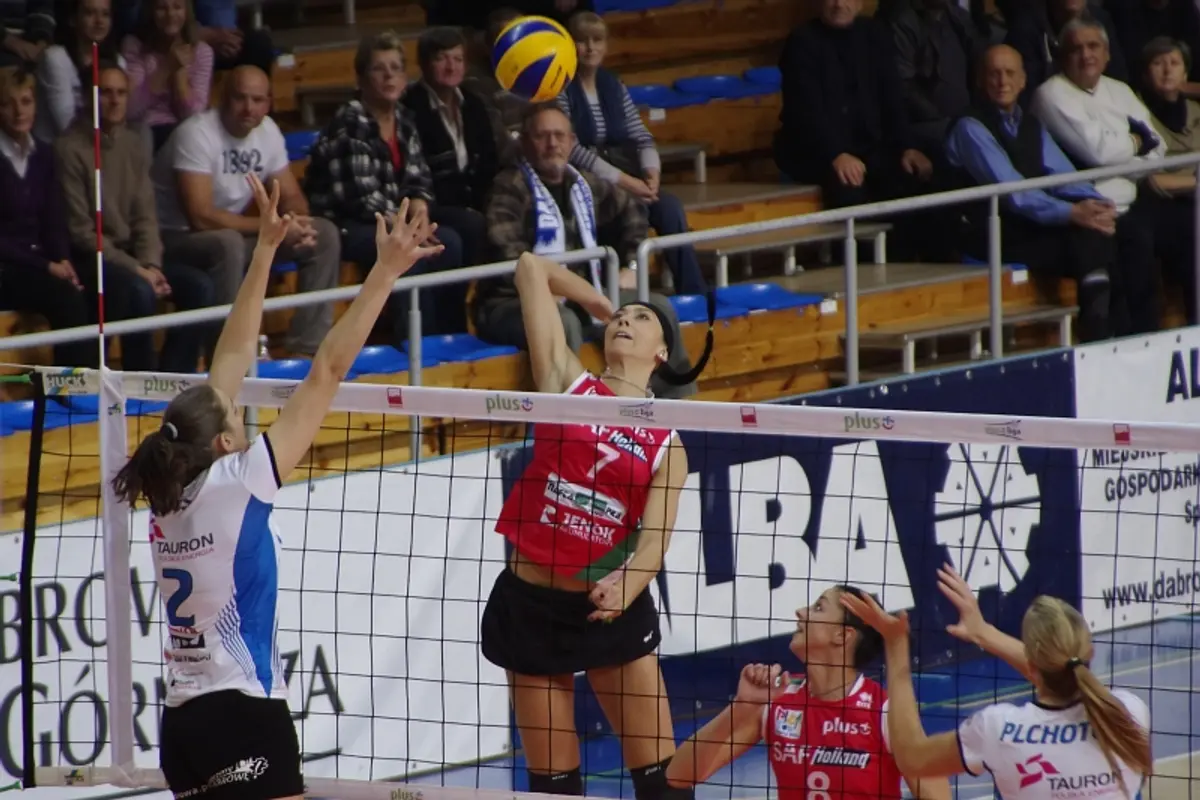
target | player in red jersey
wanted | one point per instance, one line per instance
(826, 734)
(588, 522)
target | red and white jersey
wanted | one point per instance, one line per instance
(585, 490)
(831, 749)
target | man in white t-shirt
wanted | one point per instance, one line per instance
(204, 202)
(1099, 121)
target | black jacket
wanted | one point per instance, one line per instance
(465, 188)
(820, 119)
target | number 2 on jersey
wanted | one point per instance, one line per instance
(605, 455)
(179, 597)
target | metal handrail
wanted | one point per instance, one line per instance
(848, 216)
(844, 215)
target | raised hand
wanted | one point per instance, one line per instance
(406, 244)
(971, 625)
(761, 683)
(272, 228)
(890, 626)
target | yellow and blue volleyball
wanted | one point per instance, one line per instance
(534, 58)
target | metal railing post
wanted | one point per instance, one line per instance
(995, 287)
(414, 363)
(851, 346)
(644, 250)
(612, 278)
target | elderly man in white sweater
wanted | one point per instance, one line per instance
(1099, 121)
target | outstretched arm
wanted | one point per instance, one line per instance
(918, 756)
(732, 732)
(292, 433)
(237, 346)
(539, 281)
(971, 626)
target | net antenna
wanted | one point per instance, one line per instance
(475, 524)
(114, 512)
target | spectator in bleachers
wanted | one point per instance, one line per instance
(205, 203)
(1140, 21)
(59, 89)
(28, 29)
(1036, 34)
(1177, 120)
(614, 144)
(1063, 232)
(136, 278)
(217, 20)
(170, 68)
(457, 138)
(365, 162)
(546, 206)
(1099, 121)
(1175, 117)
(844, 125)
(232, 45)
(937, 48)
(36, 273)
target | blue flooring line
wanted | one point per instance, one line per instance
(1157, 662)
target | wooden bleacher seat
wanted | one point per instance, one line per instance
(904, 336)
(786, 242)
(687, 151)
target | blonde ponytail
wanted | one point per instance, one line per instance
(1059, 645)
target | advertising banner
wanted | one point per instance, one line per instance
(1139, 508)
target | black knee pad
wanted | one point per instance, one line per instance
(566, 783)
(650, 783)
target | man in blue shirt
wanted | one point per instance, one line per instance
(1063, 232)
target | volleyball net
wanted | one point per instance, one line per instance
(389, 555)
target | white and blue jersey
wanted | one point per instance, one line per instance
(217, 562)
(1035, 752)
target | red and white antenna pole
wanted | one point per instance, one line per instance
(99, 198)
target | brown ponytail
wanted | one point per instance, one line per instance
(1059, 645)
(169, 459)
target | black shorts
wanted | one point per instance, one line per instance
(230, 746)
(536, 630)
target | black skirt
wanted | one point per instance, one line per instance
(536, 630)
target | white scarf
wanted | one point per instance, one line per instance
(550, 230)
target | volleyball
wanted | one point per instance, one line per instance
(534, 58)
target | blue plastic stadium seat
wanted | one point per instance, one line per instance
(765, 297)
(765, 76)
(16, 416)
(283, 268)
(144, 408)
(459, 347)
(694, 308)
(724, 87)
(299, 143)
(285, 369)
(384, 360)
(60, 414)
(657, 95)
(975, 262)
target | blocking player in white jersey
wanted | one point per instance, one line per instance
(1076, 740)
(227, 733)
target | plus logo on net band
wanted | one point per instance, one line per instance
(1034, 769)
